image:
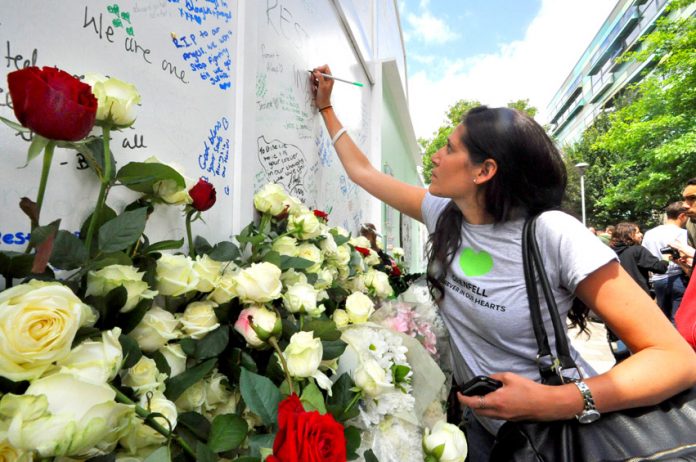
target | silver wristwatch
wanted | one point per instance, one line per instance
(589, 413)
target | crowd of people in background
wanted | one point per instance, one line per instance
(661, 262)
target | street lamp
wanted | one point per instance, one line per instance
(582, 166)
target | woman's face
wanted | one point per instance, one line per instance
(637, 236)
(453, 172)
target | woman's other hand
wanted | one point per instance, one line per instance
(523, 399)
(321, 86)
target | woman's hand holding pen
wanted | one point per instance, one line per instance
(321, 87)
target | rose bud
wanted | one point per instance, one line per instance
(257, 324)
(52, 103)
(203, 195)
(321, 215)
(365, 252)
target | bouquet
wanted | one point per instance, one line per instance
(113, 347)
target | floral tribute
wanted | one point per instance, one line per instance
(116, 348)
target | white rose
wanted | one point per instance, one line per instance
(296, 207)
(95, 361)
(357, 284)
(303, 354)
(169, 190)
(341, 318)
(257, 324)
(360, 241)
(225, 287)
(175, 275)
(271, 199)
(208, 272)
(359, 307)
(328, 245)
(199, 319)
(9, 453)
(61, 415)
(217, 390)
(371, 377)
(285, 245)
(157, 327)
(227, 406)
(304, 226)
(372, 258)
(291, 277)
(397, 252)
(300, 298)
(342, 257)
(312, 253)
(108, 278)
(340, 231)
(38, 322)
(325, 278)
(175, 357)
(453, 439)
(378, 283)
(143, 377)
(192, 399)
(259, 283)
(117, 100)
(141, 435)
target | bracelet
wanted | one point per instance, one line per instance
(338, 135)
(325, 108)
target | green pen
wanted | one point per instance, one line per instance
(327, 76)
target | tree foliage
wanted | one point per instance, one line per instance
(642, 154)
(454, 117)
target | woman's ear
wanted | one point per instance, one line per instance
(489, 168)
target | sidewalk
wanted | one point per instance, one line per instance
(594, 349)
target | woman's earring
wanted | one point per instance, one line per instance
(475, 180)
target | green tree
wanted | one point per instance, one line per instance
(644, 152)
(454, 117)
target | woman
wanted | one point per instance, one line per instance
(637, 261)
(498, 167)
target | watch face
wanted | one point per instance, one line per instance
(588, 416)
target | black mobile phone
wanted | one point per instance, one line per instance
(479, 386)
(670, 251)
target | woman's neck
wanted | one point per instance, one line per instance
(474, 213)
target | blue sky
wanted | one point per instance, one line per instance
(493, 51)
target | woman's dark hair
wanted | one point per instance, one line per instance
(624, 234)
(530, 178)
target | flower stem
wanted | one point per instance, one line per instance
(144, 413)
(189, 236)
(105, 181)
(274, 343)
(355, 399)
(47, 159)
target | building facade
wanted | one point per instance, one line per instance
(600, 74)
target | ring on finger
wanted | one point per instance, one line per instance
(482, 402)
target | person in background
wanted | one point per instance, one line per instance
(689, 195)
(592, 230)
(685, 319)
(605, 236)
(669, 287)
(638, 262)
(498, 168)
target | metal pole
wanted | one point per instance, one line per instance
(582, 195)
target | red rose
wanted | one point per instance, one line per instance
(323, 215)
(365, 252)
(52, 103)
(203, 195)
(307, 436)
(395, 271)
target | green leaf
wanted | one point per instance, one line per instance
(159, 455)
(40, 234)
(128, 321)
(213, 343)
(370, 456)
(333, 348)
(400, 372)
(165, 245)
(339, 239)
(122, 231)
(323, 329)
(299, 263)
(352, 436)
(204, 454)
(178, 384)
(261, 396)
(227, 432)
(341, 396)
(68, 251)
(93, 151)
(38, 144)
(438, 451)
(224, 251)
(14, 125)
(131, 351)
(313, 399)
(188, 345)
(15, 265)
(108, 259)
(256, 442)
(272, 257)
(199, 425)
(161, 362)
(141, 176)
(247, 459)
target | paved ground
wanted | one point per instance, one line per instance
(594, 349)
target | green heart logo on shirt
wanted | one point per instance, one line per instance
(475, 263)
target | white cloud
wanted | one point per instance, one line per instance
(429, 29)
(534, 67)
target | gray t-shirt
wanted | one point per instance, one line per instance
(485, 306)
